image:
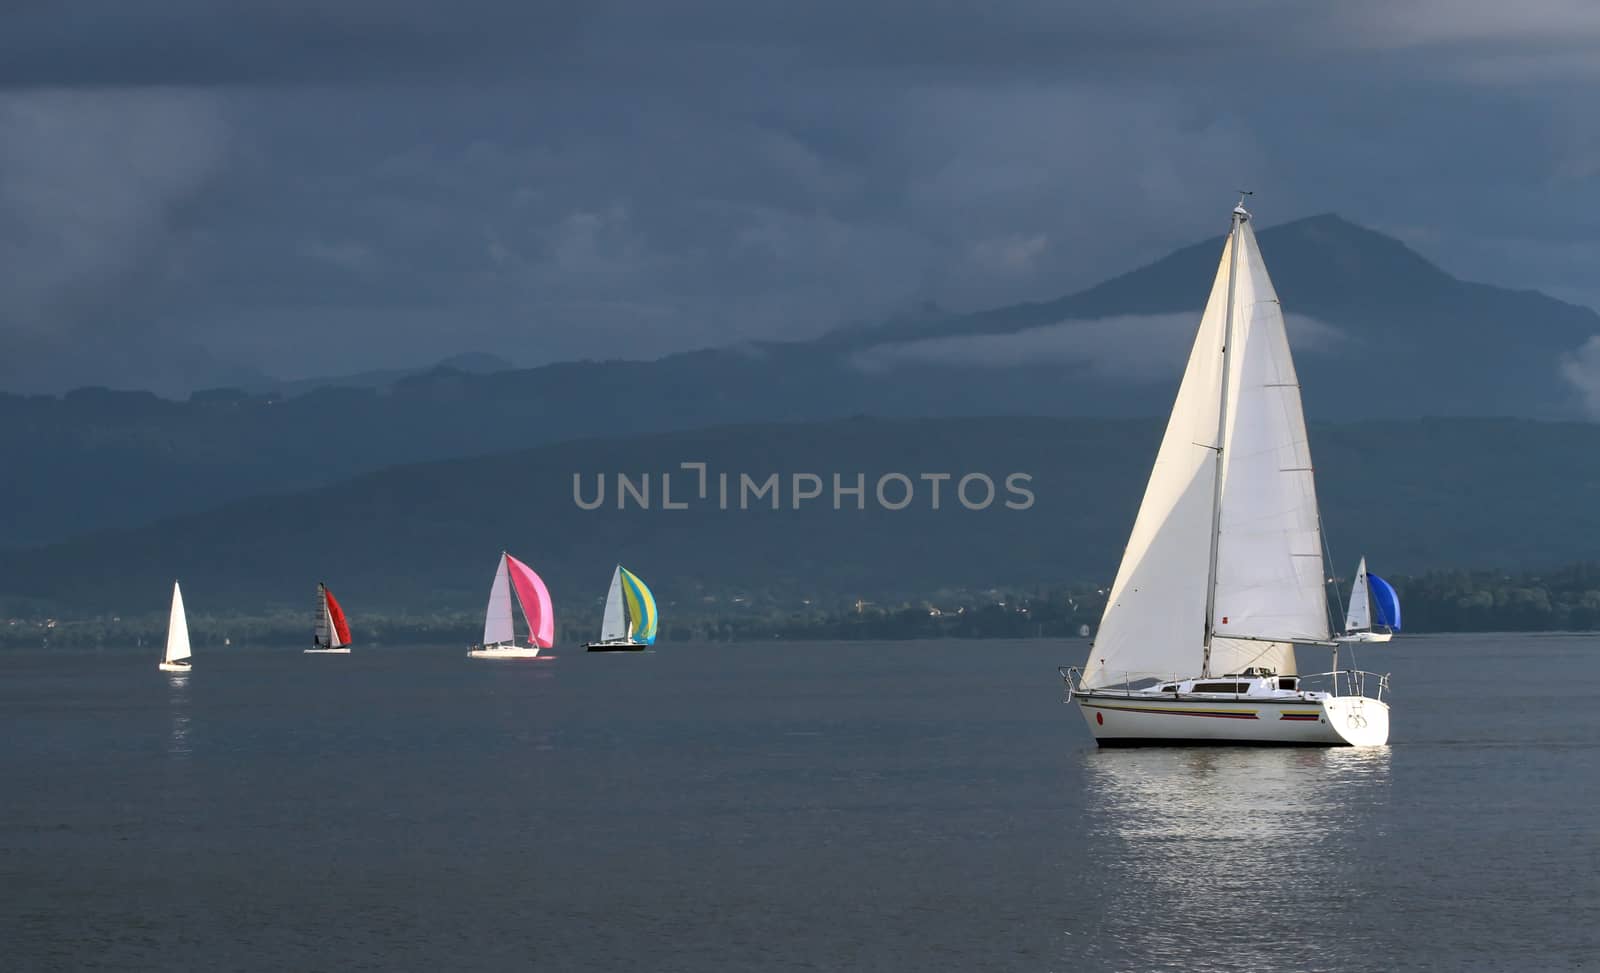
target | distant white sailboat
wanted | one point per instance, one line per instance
(332, 635)
(1370, 594)
(177, 656)
(1223, 574)
(630, 619)
(516, 582)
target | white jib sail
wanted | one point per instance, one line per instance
(497, 623)
(1153, 626)
(177, 629)
(1270, 583)
(1359, 617)
(613, 627)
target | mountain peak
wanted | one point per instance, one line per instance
(1324, 258)
(1320, 264)
(1329, 219)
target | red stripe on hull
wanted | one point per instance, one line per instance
(1173, 712)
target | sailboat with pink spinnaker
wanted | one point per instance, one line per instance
(516, 586)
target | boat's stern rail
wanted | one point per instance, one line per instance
(1353, 682)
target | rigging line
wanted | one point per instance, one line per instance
(1338, 590)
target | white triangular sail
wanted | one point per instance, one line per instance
(1153, 622)
(613, 627)
(177, 629)
(1267, 591)
(1359, 617)
(1270, 581)
(334, 641)
(497, 624)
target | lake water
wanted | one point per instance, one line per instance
(878, 806)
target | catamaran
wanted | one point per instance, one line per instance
(332, 634)
(630, 620)
(177, 656)
(515, 581)
(1369, 596)
(1224, 574)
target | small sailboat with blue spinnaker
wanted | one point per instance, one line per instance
(1374, 614)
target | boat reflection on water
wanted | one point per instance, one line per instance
(1246, 858)
(178, 711)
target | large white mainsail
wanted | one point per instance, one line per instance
(497, 624)
(1359, 617)
(177, 629)
(613, 627)
(1153, 622)
(1265, 588)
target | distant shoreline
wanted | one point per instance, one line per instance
(1563, 600)
(123, 642)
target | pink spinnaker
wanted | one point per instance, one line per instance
(535, 599)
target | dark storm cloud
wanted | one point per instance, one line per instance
(200, 42)
(390, 182)
(205, 43)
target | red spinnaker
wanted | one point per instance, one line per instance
(341, 628)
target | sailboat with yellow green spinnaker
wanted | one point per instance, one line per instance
(630, 620)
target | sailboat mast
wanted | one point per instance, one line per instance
(1239, 216)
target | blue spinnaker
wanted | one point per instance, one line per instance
(1385, 603)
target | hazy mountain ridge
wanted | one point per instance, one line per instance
(1421, 341)
(470, 363)
(1380, 332)
(1412, 496)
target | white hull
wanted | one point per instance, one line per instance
(174, 666)
(1145, 720)
(327, 651)
(1366, 637)
(504, 652)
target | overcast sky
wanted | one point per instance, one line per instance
(318, 187)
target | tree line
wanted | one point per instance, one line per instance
(1559, 599)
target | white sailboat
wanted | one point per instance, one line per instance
(1367, 593)
(177, 656)
(1223, 574)
(332, 634)
(515, 582)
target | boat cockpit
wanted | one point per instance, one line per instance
(1255, 682)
